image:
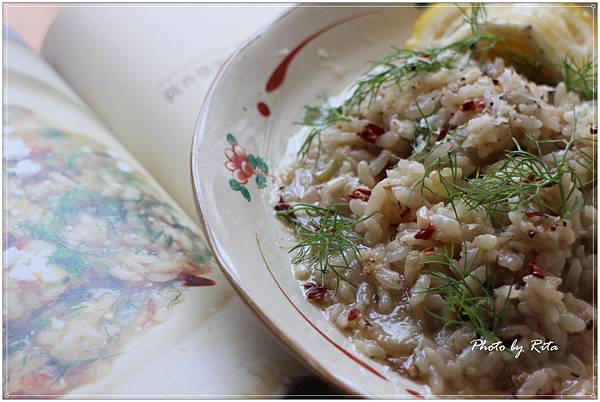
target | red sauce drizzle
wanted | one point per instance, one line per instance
(263, 109)
(278, 76)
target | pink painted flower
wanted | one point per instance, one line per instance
(237, 162)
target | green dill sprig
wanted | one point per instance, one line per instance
(469, 300)
(403, 64)
(423, 134)
(520, 180)
(73, 258)
(318, 118)
(588, 163)
(474, 17)
(421, 145)
(399, 65)
(325, 236)
(446, 161)
(582, 78)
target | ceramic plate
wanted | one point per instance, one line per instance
(241, 136)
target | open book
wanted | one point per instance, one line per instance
(100, 239)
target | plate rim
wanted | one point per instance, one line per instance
(347, 387)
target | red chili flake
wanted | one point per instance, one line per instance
(470, 105)
(425, 234)
(424, 55)
(21, 243)
(529, 178)
(429, 250)
(37, 152)
(353, 314)
(191, 280)
(37, 379)
(405, 215)
(315, 292)
(371, 132)
(534, 214)
(593, 129)
(360, 194)
(442, 133)
(151, 307)
(281, 205)
(535, 270)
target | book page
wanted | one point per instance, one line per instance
(145, 69)
(109, 289)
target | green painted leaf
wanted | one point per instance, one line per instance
(231, 139)
(199, 258)
(246, 193)
(235, 185)
(261, 181)
(69, 259)
(262, 165)
(253, 160)
(52, 133)
(41, 322)
(15, 347)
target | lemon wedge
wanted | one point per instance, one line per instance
(536, 37)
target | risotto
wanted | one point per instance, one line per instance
(445, 218)
(93, 257)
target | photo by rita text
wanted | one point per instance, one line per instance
(535, 345)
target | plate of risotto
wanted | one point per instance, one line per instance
(406, 195)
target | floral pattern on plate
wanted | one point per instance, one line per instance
(243, 166)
